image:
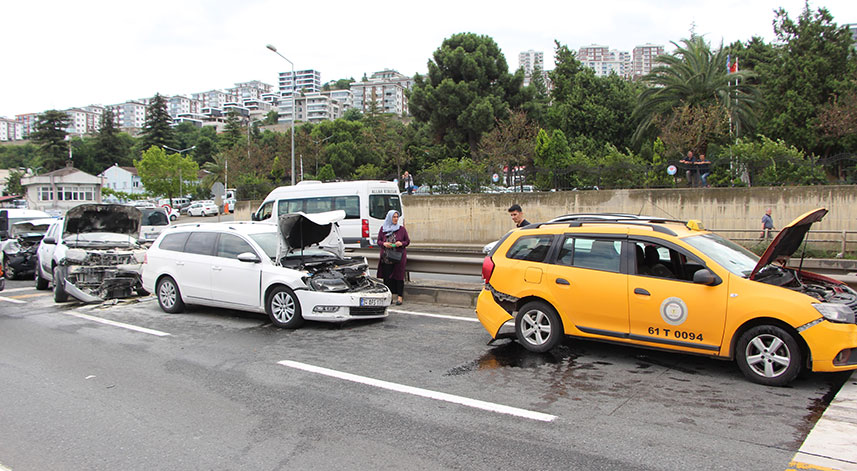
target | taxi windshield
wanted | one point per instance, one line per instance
(726, 253)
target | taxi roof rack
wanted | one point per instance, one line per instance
(613, 218)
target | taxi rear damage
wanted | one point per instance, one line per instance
(98, 265)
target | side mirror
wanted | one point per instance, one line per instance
(49, 240)
(248, 257)
(254, 217)
(704, 276)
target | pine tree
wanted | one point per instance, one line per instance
(50, 135)
(157, 131)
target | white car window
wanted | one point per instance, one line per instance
(230, 246)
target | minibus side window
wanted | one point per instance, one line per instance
(349, 204)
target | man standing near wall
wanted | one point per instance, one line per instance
(767, 224)
(518, 216)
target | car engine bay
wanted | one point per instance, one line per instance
(819, 287)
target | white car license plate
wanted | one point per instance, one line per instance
(372, 301)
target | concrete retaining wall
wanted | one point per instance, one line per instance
(481, 218)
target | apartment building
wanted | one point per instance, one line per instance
(180, 104)
(309, 107)
(253, 90)
(212, 98)
(28, 123)
(386, 89)
(11, 130)
(307, 80)
(129, 116)
(83, 122)
(644, 59)
(605, 61)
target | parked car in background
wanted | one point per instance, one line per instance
(294, 270)
(200, 208)
(19, 250)
(153, 221)
(92, 254)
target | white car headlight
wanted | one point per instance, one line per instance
(328, 284)
(835, 312)
(75, 255)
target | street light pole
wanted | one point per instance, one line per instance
(294, 90)
(181, 180)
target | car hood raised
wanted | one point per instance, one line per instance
(31, 227)
(113, 218)
(300, 231)
(789, 239)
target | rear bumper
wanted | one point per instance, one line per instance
(490, 314)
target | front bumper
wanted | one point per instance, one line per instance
(93, 284)
(490, 314)
(23, 264)
(341, 307)
(826, 340)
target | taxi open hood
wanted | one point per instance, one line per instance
(113, 218)
(789, 239)
(300, 231)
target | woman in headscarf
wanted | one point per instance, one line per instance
(393, 237)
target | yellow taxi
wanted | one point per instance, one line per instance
(669, 284)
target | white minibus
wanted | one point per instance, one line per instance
(365, 203)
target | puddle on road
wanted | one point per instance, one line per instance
(513, 355)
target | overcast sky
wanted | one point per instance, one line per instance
(60, 54)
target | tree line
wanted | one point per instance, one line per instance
(787, 114)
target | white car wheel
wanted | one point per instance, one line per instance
(283, 308)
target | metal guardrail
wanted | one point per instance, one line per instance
(467, 260)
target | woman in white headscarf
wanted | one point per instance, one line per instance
(393, 240)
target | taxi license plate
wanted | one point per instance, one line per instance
(372, 301)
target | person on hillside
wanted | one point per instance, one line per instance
(518, 216)
(393, 240)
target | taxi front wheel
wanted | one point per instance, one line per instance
(538, 327)
(769, 355)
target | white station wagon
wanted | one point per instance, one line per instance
(293, 270)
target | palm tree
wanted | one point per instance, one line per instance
(694, 76)
(216, 170)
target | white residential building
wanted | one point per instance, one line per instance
(129, 116)
(386, 89)
(644, 59)
(311, 107)
(83, 122)
(605, 61)
(344, 97)
(11, 130)
(124, 179)
(252, 90)
(212, 98)
(306, 80)
(58, 191)
(180, 104)
(530, 61)
(28, 123)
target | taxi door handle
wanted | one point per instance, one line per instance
(642, 291)
(562, 281)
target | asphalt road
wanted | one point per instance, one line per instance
(226, 390)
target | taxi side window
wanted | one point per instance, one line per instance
(598, 254)
(530, 248)
(656, 260)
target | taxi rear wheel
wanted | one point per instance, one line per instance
(538, 327)
(769, 355)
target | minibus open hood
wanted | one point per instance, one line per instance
(789, 239)
(113, 218)
(300, 231)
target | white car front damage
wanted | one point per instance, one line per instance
(335, 287)
(103, 259)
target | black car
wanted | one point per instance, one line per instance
(19, 250)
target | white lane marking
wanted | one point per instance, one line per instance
(3, 468)
(16, 301)
(475, 403)
(12, 290)
(439, 316)
(830, 443)
(117, 324)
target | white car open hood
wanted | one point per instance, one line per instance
(113, 218)
(301, 231)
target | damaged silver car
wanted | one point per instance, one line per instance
(92, 254)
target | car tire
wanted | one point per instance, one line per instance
(60, 295)
(169, 296)
(283, 308)
(41, 282)
(173, 217)
(538, 327)
(10, 272)
(769, 355)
